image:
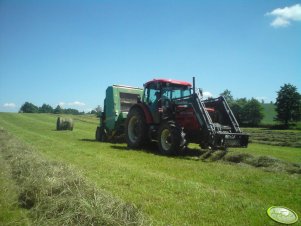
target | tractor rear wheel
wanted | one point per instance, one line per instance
(136, 128)
(170, 138)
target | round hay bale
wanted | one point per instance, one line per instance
(64, 123)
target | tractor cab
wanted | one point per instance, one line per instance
(160, 94)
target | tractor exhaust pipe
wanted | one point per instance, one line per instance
(193, 85)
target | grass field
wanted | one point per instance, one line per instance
(269, 114)
(180, 190)
(288, 138)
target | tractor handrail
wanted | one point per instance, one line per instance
(230, 114)
(201, 113)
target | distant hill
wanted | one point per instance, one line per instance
(269, 114)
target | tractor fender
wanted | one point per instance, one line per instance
(147, 114)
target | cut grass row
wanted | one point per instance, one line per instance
(10, 212)
(53, 193)
(265, 162)
(290, 138)
(173, 191)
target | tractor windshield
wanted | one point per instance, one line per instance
(159, 91)
(174, 92)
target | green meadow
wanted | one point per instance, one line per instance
(269, 114)
(179, 190)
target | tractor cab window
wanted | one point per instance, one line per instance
(174, 91)
(164, 91)
(151, 94)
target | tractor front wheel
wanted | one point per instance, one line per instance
(170, 138)
(136, 128)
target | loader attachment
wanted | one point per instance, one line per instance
(219, 127)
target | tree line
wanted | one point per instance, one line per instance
(250, 112)
(247, 112)
(28, 107)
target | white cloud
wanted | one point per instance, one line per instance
(9, 105)
(207, 94)
(62, 104)
(76, 103)
(285, 15)
(280, 22)
(72, 104)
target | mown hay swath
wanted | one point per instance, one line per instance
(64, 123)
(57, 194)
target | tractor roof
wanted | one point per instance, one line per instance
(172, 81)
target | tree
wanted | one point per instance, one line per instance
(288, 104)
(46, 108)
(228, 96)
(28, 107)
(98, 110)
(247, 112)
(93, 112)
(253, 112)
(71, 111)
(58, 110)
(237, 108)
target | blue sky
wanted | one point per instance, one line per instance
(68, 52)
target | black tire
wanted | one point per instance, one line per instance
(101, 134)
(171, 138)
(97, 134)
(136, 128)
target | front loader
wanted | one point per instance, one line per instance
(173, 113)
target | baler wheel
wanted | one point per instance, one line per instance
(101, 134)
(97, 134)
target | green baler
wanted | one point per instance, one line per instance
(117, 103)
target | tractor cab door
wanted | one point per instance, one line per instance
(152, 99)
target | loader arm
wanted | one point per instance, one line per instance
(219, 133)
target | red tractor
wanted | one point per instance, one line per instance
(173, 114)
